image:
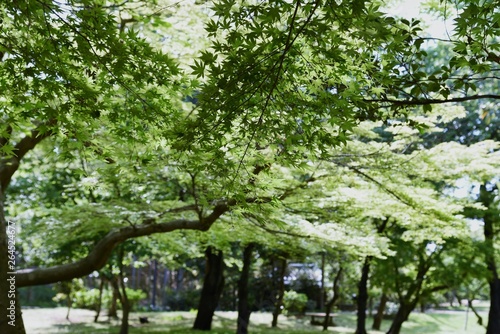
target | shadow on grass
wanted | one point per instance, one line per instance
(52, 321)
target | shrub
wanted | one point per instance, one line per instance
(294, 302)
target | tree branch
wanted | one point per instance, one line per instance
(99, 255)
(9, 166)
(421, 102)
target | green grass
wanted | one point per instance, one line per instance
(42, 321)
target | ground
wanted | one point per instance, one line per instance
(44, 320)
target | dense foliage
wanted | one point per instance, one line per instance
(302, 127)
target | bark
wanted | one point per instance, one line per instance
(479, 318)
(213, 285)
(281, 293)
(11, 320)
(402, 315)
(494, 313)
(490, 218)
(322, 290)
(335, 298)
(99, 301)
(243, 304)
(112, 312)
(124, 298)
(377, 320)
(101, 252)
(362, 299)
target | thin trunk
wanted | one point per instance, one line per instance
(322, 290)
(335, 298)
(479, 318)
(134, 273)
(99, 301)
(69, 302)
(243, 304)
(213, 285)
(422, 307)
(124, 298)
(112, 312)
(377, 321)
(281, 293)
(164, 285)
(155, 282)
(362, 299)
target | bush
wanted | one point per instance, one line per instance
(88, 299)
(294, 302)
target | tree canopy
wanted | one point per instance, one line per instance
(307, 120)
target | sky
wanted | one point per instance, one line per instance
(436, 27)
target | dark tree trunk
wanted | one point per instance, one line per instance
(99, 301)
(401, 316)
(494, 314)
(155, 282)
(377, 320)
(281, 293)
(69, 302)
(164, 284)
(322, 293)
(335, 298)
(134, 273)
(362, 299)
(243, 304)
(487, 198)
(473, 309)
(213, 285)
(124, 298)
(112, 312)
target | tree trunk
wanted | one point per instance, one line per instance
(112, 312)
(213, 285)
(11, 320)
(363, 297)
(322, 298)
(377, 320)
(487, 198)
(124, 298)
(494, 313)
(99, 301)
(401, 316)
(243, 304)
(281, 293)
(335, 298)
(155, 282)
(473, 309)
(69, 302)
(164, 285)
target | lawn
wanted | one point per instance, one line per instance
(43, 321)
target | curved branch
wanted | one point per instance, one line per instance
(101, 252)
(9, 166)
(99, 255)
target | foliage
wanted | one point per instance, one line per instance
(294, 302)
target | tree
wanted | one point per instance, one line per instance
(280, 84)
